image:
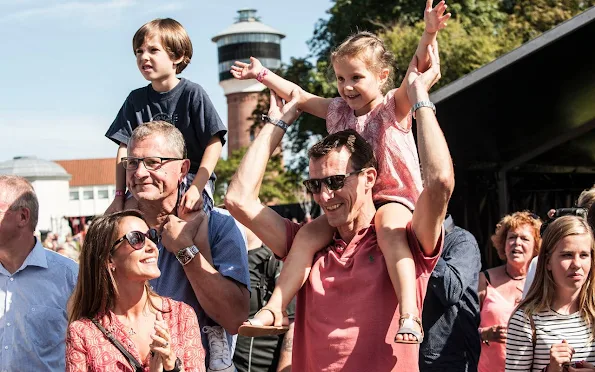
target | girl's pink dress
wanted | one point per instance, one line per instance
(496, 310)
(399, 174)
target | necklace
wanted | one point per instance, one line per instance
(512, 277)
(131, 331)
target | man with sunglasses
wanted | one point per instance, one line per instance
(203, 261)
(347, 314)
(35, 285)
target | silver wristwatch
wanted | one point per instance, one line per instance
(185, 255)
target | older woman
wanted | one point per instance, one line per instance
(517, 241)
(552, 328)
(117, 323)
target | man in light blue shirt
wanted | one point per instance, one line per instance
(35, 285)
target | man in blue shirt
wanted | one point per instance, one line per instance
(218, 292)
(35, 285)
(451, 308)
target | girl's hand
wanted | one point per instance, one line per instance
(161, 345)
(435, 18)
(559, 355)
(245, 71)
(419, 84)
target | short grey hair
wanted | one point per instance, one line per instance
(173, 136)
(24, 196)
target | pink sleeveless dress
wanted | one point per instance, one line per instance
(399, 173)
(496, 310)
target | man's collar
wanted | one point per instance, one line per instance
(449, 224)
(37, 257)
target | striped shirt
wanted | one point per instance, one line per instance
(550, 328)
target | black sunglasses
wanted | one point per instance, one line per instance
(136, 239)
(333, 183)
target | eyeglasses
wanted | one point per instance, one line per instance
(333, 183)
(151, 162)
(136, 239)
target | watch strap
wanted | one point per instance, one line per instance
(185, 255)
(177, 366)
(421, 104)
(278, 122)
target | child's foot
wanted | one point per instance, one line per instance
(411, 331)
(266, 322)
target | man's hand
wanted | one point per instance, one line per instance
(289, 111)
(178, 234)
(245, 71)
(496, 333)
(191, 202)
(560, 354)
(435, 18)
(418, 84)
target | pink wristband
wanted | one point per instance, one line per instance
(120, 192)
(262, 74)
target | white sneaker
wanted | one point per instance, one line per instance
(219, 352)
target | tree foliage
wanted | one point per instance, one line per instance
(278, 186)
(479, 32)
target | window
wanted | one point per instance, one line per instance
(102, 194)
(87, 194)
(74, 195)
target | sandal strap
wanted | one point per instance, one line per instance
(413, 317)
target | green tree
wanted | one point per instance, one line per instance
(278, 186)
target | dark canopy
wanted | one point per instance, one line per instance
(521, 130)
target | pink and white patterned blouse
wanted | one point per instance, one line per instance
(399, 174)
(87, 348)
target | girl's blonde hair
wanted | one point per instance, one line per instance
(542, 291)
(371, 50)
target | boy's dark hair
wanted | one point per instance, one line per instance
(173, 36)
(362, 154)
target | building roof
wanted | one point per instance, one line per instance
(32, 168)
(247, 25)
(90, 172)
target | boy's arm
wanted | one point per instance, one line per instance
(206, 168)
(118, 202)
(435, 20)
(310, 103)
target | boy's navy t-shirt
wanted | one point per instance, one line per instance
(187, 106)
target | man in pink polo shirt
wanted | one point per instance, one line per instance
(347, 313)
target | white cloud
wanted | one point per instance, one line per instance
(90, 13)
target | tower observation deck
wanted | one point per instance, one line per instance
(246, 38)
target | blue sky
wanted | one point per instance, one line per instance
(68, 65)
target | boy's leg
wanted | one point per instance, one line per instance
(310, 239)
(391, 220)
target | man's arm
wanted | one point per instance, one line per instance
(436, 163)
(224, 299)
(242, 200)
(285, 356)
(457, 269)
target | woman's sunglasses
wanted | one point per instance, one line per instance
(333, 183)
(136, 239)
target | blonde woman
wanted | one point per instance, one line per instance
(117, 323)
(552, 328)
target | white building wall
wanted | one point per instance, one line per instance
(53, 202)
(89, 200)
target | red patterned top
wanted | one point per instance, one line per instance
(87, 348)
(399, 174)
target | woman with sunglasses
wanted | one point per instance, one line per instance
(116, 322)
(517, 241)
(552, 329)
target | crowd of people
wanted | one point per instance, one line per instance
(384, 280)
